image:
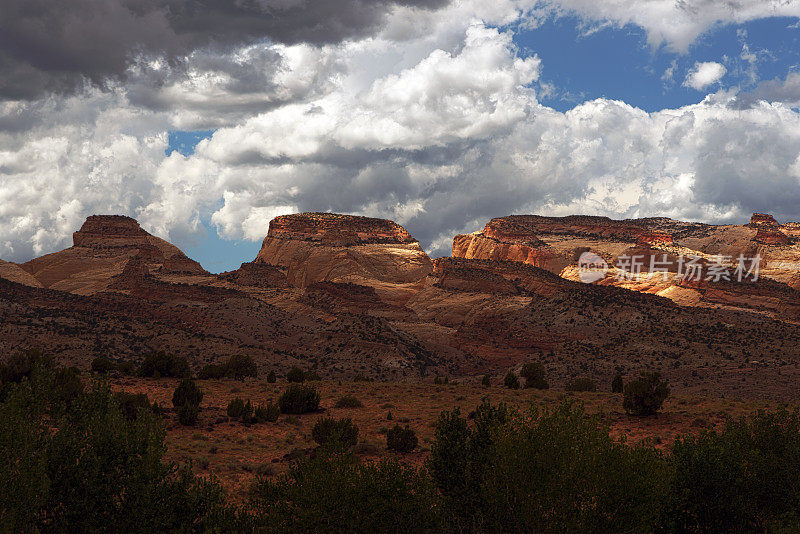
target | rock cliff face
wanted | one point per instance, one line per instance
(101, 250)
(316, 247)
(556, 243)
(347, 295)
(334, 228)
(529, 250)
(553, 243)
(768, 231)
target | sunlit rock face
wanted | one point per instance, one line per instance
(557, 243)
(316, 247)
(101, 250)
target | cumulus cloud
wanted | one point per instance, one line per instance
(460, 137)
(74, 156)
(704, 74)
(61, 46)
(433, 121)
(676, 23)
(786, 91)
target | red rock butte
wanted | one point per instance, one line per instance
(334, 228)
(763, 219)
(768, 231)
(315, 247)
(101, 250)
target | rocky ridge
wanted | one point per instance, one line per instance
(346, 295)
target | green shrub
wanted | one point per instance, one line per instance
(22, 365)
(551, 471)
(187, 392)
(745, 478)
(295, 374)
(646, 395)
(103, 365)
(560, 471)
(271, 378)
(162, 364)
(188, 414)
(337, 432)
(131, 404)
(268, 413)
(581, 384)
(299, 399)
(247, 413)
(348, 401)
(511, 380)
(126, 368)
(67, 385)
(240, 366)
(212, 371)
(333, 492)
(401, 439)
(236, 408)
(617, 384)
(534, 376)
(90, 467)
(460, 454)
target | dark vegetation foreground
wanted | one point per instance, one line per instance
(84, 459)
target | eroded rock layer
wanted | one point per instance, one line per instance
(101, 250)
(649, 255)
(316, 247)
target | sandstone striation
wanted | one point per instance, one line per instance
(556, 244)
(768, 231)
(315, 247)
(101, 249)
(15, 273)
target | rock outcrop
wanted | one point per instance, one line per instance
(768, 231)
(101, 250)
(257, 274)
(315, 247)
(552, 243)
(556, 244)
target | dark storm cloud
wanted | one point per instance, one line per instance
(46, 45)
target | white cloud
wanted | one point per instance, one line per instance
(704, 74)
(677, 23)
(434, 122)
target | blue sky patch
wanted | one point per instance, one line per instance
(581, 63)
(184, 142)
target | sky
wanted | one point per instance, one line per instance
(206, 120)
